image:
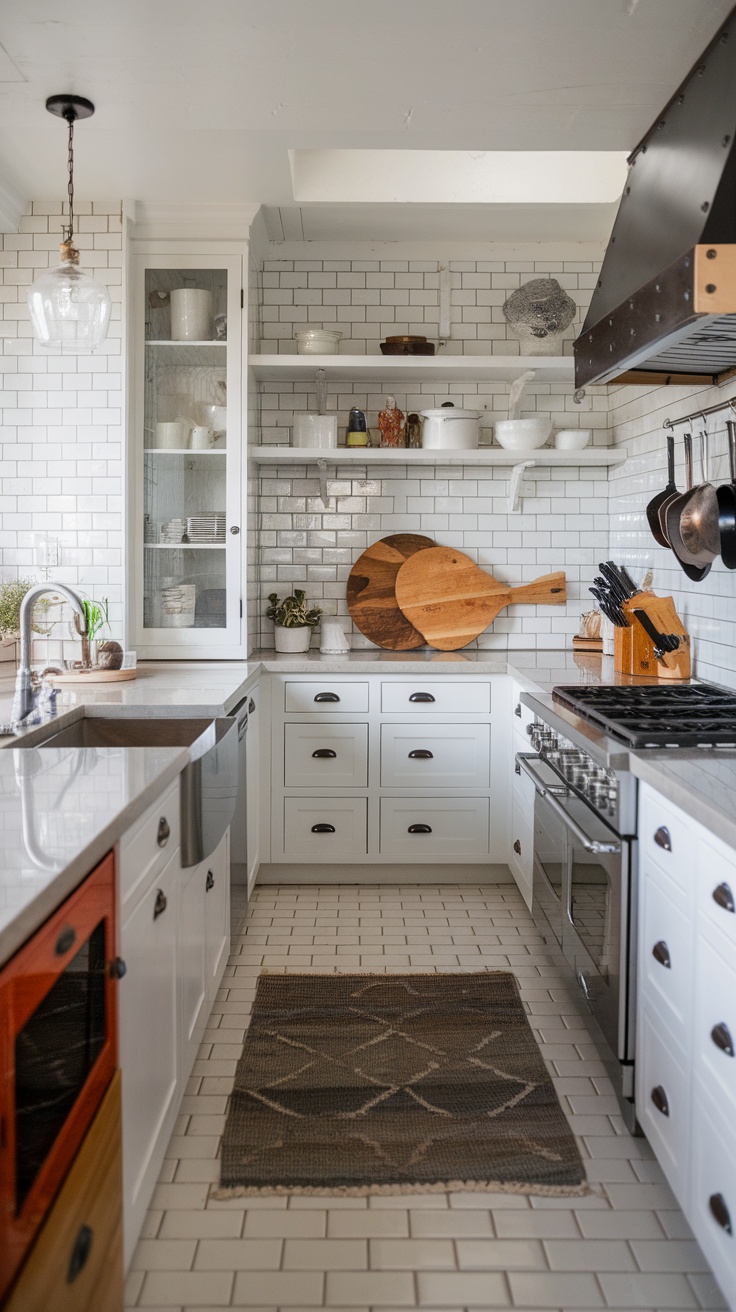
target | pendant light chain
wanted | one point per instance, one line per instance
(70, 186)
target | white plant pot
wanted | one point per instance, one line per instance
(292, 640)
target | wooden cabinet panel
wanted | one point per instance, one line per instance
(86, 1217)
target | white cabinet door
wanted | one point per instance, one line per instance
(216, 886)
(191, 965)
(435, 755)
(326, 755)
(439, 828)
(253, 788)
(148, 1042)
(328, 828)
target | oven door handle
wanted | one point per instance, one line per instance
(550, 793)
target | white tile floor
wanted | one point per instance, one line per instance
(625, 1247)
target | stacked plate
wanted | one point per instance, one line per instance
(173, 531)
(208, 526)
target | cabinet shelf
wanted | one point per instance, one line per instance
(413, 368)
(183, 451)
(590, 455)
(184, 546)
(188, 353)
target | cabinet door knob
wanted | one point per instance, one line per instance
(421, 697)
(160, 904)
(421, 754)
(419, 829)
(65, 941)
(80, 1252)
(327, 697)
(517, 710)
(517, 847)
(323, 829)
(117, 968)
(209, 881)
(251, 706)
(235, 530)
(662, 838)
(720, 1212)
(324, 754)
(164, 832)
(659, 1098)
(661, 953)
(724, 897)
(721, 1036)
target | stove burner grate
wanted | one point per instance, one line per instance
(693, 715)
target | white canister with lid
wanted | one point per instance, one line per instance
(450, 429)
(191, 314)
(312, 430)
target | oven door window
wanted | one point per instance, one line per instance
(54, 1054)
(550, 859)
(591, 908)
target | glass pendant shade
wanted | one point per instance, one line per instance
(68, 307)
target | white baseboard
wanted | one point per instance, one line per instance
(302, 873)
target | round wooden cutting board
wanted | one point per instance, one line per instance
(372, 592)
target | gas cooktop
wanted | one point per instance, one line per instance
(690, 715)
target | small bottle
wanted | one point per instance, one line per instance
(413, 432)
(357, 429)
(392, 423)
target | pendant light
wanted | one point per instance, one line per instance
(68, 307)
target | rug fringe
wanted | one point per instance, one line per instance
(222, 1192)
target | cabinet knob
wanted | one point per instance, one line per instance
(419, 829)
(327, 697)
(662, 838)
(65, 941)
(324, 754)
(421, 754)
(160, 904)
(724, 897)
(164, 832)
(720, 1212)
(209, 881)
(421, 697)
(659, 1098)
(517, 710)
(661, 953)
(517, 847)
(323, 829)
(517, 768)
(117, 968)
(80, 1252)
(251, 706)
(721, 1036)
(234, 530)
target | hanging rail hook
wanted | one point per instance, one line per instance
(709, 410)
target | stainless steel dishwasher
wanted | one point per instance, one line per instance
(239, 826)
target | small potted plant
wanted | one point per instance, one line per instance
(11, 597)
(293, 621)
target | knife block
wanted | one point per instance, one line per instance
(634, 649)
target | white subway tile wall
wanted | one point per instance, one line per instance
(61, 427)
(303, 543)
(707, 608)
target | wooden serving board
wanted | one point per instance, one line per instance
(450, 600)
(372, 592)
(92, 676)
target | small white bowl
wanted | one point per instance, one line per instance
(523, 434)
(317, 341)
(572, 439)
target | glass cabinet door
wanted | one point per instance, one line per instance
(188, 521)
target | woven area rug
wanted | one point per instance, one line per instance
(366, 1084)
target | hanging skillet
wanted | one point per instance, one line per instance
(674, 510)
(727, 504)
(659, 500)
(699, 536)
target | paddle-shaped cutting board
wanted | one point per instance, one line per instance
(450, 600)
(372, 595)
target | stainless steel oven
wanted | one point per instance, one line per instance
(582, 902)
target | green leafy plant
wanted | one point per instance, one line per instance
(293, 612)
(11, 597)
(95, 616)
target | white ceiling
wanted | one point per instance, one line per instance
(201, 100)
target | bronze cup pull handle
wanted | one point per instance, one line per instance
(160, 904)
(421, 754)
(720, 1212)
(662, 838)
(327, 697)
(659, 1098)
(80, 1252)
(724, 897)
(661, 953)
(323, 829)
(419, 829)
(324, 753)
(421, 697)
(721, 1036)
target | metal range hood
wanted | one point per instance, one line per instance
(664, 309)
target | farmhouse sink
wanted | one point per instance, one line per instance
(209, 781)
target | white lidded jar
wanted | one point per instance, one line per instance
(450, 429)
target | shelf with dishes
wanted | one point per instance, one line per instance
(171, 353)
(412, 368)
(278, 454)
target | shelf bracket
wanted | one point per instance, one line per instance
(322, 467)
(517, 474)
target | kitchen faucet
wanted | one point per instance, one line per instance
(24, 699)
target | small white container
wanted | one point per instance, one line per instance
(523, 434)
(572, 439)
(317, 341)
(191, 315)
(450, 429)
(173, 436)
(292, 640)
(314, 430)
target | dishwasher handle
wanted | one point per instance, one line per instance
(239, 713)
(550, 793)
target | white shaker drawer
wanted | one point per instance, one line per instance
(448, 696)
(666, 956)
(712, 1211)
(663, 1099)
(434, 826)
(336, 827)
(665, 837)
(717, 889)
(435, 756)
(146, 847)
(325, 696)
(317, 755)
(715, 1020)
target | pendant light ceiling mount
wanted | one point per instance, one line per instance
(70, 107)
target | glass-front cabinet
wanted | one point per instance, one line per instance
(186, 456)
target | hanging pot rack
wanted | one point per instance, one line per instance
(700, 414)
